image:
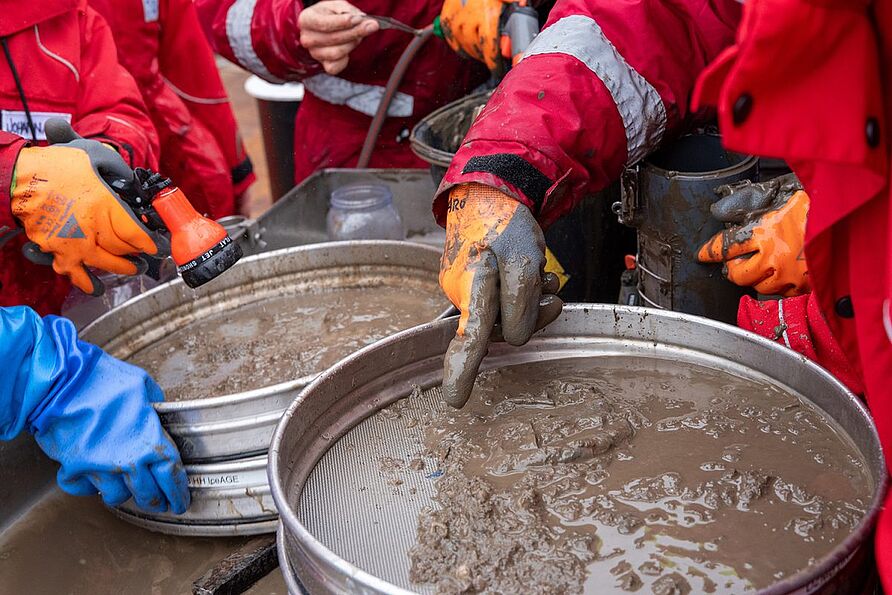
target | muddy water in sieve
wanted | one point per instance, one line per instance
(281, 339)
(67, 545)
(591, 475)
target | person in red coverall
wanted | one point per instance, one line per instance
(59, 60)
(162, 45)
(344, 61)
(606, 82)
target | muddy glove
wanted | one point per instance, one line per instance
(331, 29)
(763, 244)
(471, 28)
(88, 411)
(75, 219)
(493, 264)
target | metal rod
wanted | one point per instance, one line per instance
(238, 571)
(396, 25)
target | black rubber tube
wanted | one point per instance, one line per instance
(393, 83)
(18, 85)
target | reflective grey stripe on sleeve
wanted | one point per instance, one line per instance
(238, 31)
(150, 10)
(66, 63)
(639, 104)
(363, 98)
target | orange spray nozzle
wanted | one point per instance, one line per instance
(199, 246)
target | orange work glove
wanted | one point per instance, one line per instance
(493, 263)
(763, 246)
(59, 195)
(471, 28)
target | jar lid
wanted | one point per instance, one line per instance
(361, 196)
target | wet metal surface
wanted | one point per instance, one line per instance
(298, 218)
(73, 546)
(228, 498)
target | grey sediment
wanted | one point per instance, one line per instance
(626, 474)
(284, 338)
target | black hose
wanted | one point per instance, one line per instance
(393, 83)
(21, 89)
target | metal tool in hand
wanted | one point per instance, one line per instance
(392, 23)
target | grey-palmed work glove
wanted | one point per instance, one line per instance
(493, 266)
(73, 218)
(763, 244)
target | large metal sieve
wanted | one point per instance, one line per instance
(342, 528)
(221, 427)
(229, 498)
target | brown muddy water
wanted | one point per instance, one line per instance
(73, 546)
(280, 339)
(629, 475)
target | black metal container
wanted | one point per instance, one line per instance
(667, 198)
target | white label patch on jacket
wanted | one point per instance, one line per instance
(16, 122)
(150, 10)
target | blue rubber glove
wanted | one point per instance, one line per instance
(88, 411)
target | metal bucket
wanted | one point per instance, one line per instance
(667, 199)
(239, 425)
(231, 498)
(376, 529)
(437, 136)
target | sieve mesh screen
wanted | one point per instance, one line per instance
(362, 500)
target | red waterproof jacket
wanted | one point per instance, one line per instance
(263, 37)
(64, 57)
(601, 86)
(163, 46)
(807, 81)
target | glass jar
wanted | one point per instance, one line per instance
(364, 212)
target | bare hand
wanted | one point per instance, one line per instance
(330, 30)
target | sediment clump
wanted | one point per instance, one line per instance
(630, 475)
